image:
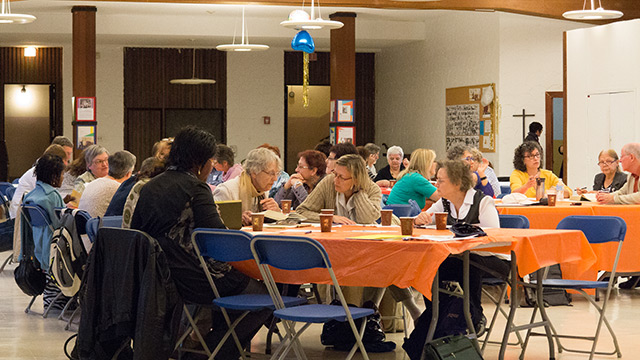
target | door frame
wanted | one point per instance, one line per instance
(548, 105)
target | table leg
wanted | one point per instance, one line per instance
(466, 300)
(435, 306)
(513, 305)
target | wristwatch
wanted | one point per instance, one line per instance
(483, 178)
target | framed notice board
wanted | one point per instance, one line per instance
(471, 117)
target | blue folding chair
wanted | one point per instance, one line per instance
(92, 228)
(598, 230)
(35, 215)
(9, 192)
(400, 210)
(301, 253)
(512, 222)
(227, 246)
(112, 221)
(4, 186)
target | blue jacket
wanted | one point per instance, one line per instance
(48, 197)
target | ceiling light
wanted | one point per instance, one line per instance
(194, 80)
(300, 20)
(6, 17)
(593, 14)
(244, 46)
(29, 51)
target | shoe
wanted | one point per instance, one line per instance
(481, 326)
(631, 283)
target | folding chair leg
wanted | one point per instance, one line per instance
(194, 326)
(28, 309)
(359, 343)
(73, 316)
(7, 261)
(230, 332)
(48, 308)
(65, 308)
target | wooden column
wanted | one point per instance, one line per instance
(84, 55)
(343, 57)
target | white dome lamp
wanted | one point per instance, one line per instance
(244, 45)
(6, 17)
(300, 20)
(593, 14)
(193, 80)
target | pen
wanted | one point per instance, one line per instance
(308, 232)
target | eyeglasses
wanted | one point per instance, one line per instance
(534, 156)
(469, 159)
(270, 174)
(342, 178)
(331, 159)
(100, 162)
(608, 163)
(302, 167)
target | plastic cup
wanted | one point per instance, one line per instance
(326, 220)
(551, 199)
(326, 211)
(385, 217)
(257, 220)
(406, 225)
(441, 220)
(286, 206)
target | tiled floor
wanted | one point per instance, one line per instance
(28, 336)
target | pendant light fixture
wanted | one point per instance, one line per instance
(244, 45)
(6, 17)
(301, 20)
(194, 80)
(593, 14)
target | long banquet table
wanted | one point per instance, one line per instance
(414, 263)
(548, 217)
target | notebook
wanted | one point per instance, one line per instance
(231, 213)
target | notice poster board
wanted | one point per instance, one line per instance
(470, 117)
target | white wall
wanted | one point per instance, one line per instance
(602, 62)
(461, 48)
(530, 65)
(110, 97)
(255, 88)
(522, 55)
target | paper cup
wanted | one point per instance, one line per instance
(551, 199)
(326, 211)
(257, 220)
(406, 225)
(385, 217)
(441, 220)
(391, 183)
(326, 220)
(286, 206)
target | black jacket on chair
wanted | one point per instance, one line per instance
(127, 293)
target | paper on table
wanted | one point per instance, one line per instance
(450, 237)
(377, 237)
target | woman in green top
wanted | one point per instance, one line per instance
(413, 182)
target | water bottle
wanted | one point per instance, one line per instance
(540, 190)
(559, 192)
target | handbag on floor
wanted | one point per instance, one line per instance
(457, 347)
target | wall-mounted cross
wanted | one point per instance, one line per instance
(524, 117)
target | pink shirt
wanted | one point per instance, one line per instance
(233, 172)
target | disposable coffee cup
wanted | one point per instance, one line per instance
(286, 206)
(385, 217)
(326, 211)
(391, 183)
(406, 225)
(326, 220)
(441, 220)
(551, 199)
(257, 220)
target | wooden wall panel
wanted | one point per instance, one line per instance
(142, 129)
(143, 78)
(45, 68)
(318, 69)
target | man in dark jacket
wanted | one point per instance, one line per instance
(535, 130)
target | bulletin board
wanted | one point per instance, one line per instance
(471, 117)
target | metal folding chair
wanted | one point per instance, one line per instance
(228, 245)
(301, 253)
(598, 230)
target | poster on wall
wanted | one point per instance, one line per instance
(332, 135)
(471, 117)
(85, 109)
(86, 136)
(463, 125)
(346, 134)
(344, 111)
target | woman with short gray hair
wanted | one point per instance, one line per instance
(391, 171)
(97, 159)
(372, 158)
(261, 169)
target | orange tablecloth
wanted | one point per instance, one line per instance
(414, 263)
(547, 217)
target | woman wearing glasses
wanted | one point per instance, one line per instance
(611, 178)
(349, 191)
(309, 172)
(261, 170)
(527, 161)
(483, 176)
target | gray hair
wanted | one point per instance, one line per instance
(455, 152)
(372, 148)
(259, 159)
(62, 141)
(91, 152)
(633, 149)
(477, 155)
(121, 163)
(395, 150)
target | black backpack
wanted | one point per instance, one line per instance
(68, 254)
